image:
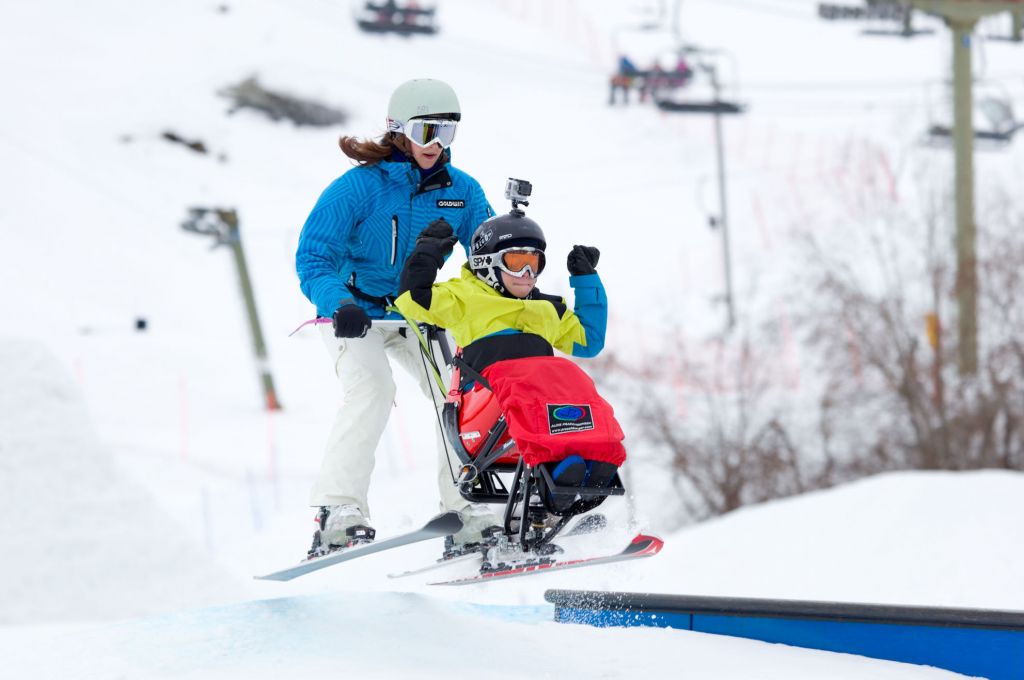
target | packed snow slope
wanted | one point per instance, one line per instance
(81, 539)
(914, 538)
(405, 635)
(140, 474)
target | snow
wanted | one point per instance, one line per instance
(410, 635)
(142, 485)
(912, 538)
(81, 539)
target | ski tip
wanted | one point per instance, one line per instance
(272, 577)
(646, 545)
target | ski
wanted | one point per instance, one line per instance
(642, 545)
(588, 525)
(441, 525)
(437, 564)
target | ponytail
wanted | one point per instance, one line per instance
(371, 152)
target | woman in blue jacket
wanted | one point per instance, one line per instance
(351, 252)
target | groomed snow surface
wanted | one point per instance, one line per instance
(101, 550)
(142, 485)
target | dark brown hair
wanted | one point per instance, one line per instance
(371, 152)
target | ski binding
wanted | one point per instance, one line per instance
(640, 546)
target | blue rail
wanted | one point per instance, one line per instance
(986, 643)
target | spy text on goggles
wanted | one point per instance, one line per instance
(515, 261)
(425, 131)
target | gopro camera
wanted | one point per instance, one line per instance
(518, 191)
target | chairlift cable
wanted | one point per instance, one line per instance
(766, 9)
(833, 85)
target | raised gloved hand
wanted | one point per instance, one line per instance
(439, 228)
(583, 260)
(437, 240)
(350, 321)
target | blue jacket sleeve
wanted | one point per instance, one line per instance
(321, 259)
(591, 308)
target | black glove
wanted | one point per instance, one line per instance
(582, 260)
(439, 228)
(437, 240)
(350, 321)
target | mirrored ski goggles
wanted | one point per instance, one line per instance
(515, 261)
(426, 131)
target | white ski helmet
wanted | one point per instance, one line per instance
(423, 97)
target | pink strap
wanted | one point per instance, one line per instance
(318, 320)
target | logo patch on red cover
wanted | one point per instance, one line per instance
(564, 418)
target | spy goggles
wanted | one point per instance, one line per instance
(425, 131)
(518, 262)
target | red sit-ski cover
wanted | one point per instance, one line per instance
(553, 410)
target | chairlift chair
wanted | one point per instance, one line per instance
(702, 96)
(1016, 29)
(883, 26)
(712, 106)
(991, 104)
(392, 17)
(655, 55)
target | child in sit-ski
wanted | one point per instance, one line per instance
(507, 328)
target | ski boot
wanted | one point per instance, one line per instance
(341, 526)
(478, 523)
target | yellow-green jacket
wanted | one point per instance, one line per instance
(490, 326)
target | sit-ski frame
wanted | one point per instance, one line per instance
(479, 480)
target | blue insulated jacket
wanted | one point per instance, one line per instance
(364, 226)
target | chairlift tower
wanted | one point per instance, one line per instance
(723, 220)
(717, 107)
(961, 16)
(223, 225)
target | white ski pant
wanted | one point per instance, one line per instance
(364, 370)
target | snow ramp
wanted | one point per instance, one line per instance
(80, 539)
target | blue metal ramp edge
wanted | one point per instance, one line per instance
(980, 642)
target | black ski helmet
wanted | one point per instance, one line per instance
(498, 233)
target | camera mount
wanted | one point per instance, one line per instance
(518, 191)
